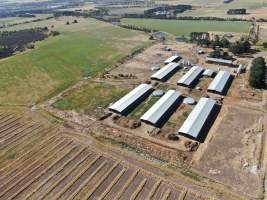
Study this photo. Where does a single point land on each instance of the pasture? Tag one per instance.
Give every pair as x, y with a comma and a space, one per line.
185, 27
92, 98
81, 50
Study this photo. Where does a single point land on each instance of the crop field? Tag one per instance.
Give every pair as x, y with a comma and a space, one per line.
41, 163
185, 27
81, 50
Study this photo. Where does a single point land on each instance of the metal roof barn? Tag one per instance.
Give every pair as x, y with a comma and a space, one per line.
190, 76
208, 72
161, 107
219, 82
197, 118
172, 59
124, 104
165, 71
219, 61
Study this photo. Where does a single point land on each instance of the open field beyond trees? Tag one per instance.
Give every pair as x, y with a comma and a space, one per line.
81, 50
185, 27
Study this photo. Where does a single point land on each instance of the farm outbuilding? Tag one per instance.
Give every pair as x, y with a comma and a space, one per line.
220, 82
161, 108
173, 59
165, 72
131, 99
219, 61
208, 72
198, 118
191, 76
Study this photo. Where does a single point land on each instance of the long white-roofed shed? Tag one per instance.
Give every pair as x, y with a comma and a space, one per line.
165, 71
191, 76
197, 118
130, 99
219, 82
171, 59
161, 107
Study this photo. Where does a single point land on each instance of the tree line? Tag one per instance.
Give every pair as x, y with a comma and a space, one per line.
257, 77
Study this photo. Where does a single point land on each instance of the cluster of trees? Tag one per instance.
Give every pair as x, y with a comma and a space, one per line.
257, 78
240, 47
219, 53
174, 8
12, 41
204, 39
100, 12
139, 28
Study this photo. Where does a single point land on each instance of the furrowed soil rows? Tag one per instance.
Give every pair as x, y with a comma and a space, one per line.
81, 155
28, 163
147, 188
29, 148
9, 124
18, 135
48, 172
120, 183
135, 183
49, 164
15, 130
13, 185
69, 180
38, 173
159, 192
95, 182
79, 182
55, 180
104, 187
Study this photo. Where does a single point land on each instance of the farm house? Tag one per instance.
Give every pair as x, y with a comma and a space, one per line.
165, 72
162, 108
130, 100
191, 76
197, 119
220, 82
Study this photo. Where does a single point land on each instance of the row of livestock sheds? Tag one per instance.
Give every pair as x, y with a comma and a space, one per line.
161, 108
131, 99
167, 70
172, 59
198, 118
220, 82
191, 76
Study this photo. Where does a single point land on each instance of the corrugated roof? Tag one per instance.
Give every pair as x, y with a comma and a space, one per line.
190, 76
165, 71
154, 114
218, 60
197, 118
219, 82
171, 59
208, 72
125, 102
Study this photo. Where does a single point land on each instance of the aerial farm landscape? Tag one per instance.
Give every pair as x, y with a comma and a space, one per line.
133, 100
